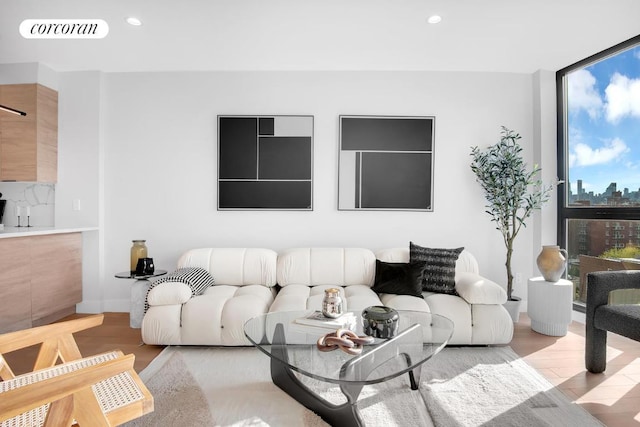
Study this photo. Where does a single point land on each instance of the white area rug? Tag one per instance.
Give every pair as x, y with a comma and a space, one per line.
465, 386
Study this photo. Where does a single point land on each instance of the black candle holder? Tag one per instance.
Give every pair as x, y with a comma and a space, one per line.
19, 222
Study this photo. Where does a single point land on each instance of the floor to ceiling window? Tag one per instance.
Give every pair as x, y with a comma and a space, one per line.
599, 164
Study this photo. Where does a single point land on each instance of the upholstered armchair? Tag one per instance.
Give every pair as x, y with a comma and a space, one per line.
602, 317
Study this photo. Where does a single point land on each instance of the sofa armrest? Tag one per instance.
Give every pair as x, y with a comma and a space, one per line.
169, 293
476, 289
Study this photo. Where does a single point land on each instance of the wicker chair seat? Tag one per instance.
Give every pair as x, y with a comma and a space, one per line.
113, 393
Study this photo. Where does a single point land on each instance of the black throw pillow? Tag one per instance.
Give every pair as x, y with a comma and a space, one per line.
439, 270
398, 278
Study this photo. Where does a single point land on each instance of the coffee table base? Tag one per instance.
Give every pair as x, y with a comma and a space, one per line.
347, 413
336, 415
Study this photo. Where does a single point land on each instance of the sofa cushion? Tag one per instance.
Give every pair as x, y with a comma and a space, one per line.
234, 266
398, 278
404, 302
492, 324
326, 266
438, 274
302, 297
169, 293
217, 317
455, 309
476, 289
198, 279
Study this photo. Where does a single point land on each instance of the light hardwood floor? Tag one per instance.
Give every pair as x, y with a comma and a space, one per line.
612, 397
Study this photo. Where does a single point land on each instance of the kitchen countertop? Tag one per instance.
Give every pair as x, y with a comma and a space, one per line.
40, 231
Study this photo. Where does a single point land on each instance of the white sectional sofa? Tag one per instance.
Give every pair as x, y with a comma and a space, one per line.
252, 281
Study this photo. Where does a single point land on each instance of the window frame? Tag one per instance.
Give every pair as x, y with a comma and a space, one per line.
565, 212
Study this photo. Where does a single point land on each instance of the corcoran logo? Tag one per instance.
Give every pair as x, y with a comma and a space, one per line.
64, 29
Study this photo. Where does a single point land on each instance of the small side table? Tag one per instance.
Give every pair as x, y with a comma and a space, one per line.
138, 294
549, 305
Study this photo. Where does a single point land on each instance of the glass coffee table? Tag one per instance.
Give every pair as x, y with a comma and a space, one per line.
293, 351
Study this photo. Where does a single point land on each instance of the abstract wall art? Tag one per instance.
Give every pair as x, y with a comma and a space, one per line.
386, 163
265, 162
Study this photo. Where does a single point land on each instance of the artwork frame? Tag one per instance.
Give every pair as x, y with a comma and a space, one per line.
402, 146
265, 162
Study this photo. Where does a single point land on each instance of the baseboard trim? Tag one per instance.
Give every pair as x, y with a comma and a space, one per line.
117, 306
98, 306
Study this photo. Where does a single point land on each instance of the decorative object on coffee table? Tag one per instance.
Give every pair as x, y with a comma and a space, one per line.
345, 340
332, 303
138, 294
379, 321
317, 320
512, 191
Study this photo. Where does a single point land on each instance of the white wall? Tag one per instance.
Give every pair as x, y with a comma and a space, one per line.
78, 145
159, 135
139, 152
79, 186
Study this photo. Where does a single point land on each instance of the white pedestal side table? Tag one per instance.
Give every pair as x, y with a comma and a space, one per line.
549, 305
138, 294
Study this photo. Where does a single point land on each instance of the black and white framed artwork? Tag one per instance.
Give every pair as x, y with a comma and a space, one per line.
386, 163
265, 162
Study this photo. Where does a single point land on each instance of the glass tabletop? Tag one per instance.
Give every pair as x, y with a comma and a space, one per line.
133, 275
419, 337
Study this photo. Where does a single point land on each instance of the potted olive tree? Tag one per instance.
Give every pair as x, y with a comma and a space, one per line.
512, 191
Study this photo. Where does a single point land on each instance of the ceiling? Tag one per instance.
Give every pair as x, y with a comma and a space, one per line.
520, 36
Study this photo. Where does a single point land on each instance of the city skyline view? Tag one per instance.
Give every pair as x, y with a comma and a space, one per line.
604, 124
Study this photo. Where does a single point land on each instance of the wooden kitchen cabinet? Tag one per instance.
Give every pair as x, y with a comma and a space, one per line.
56, 276
40, 279
29, 144
15, 285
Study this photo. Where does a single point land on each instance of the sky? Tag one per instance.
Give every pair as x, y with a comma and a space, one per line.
604, 123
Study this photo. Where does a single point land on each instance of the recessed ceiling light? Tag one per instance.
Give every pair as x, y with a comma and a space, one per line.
134, 21
434, 19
